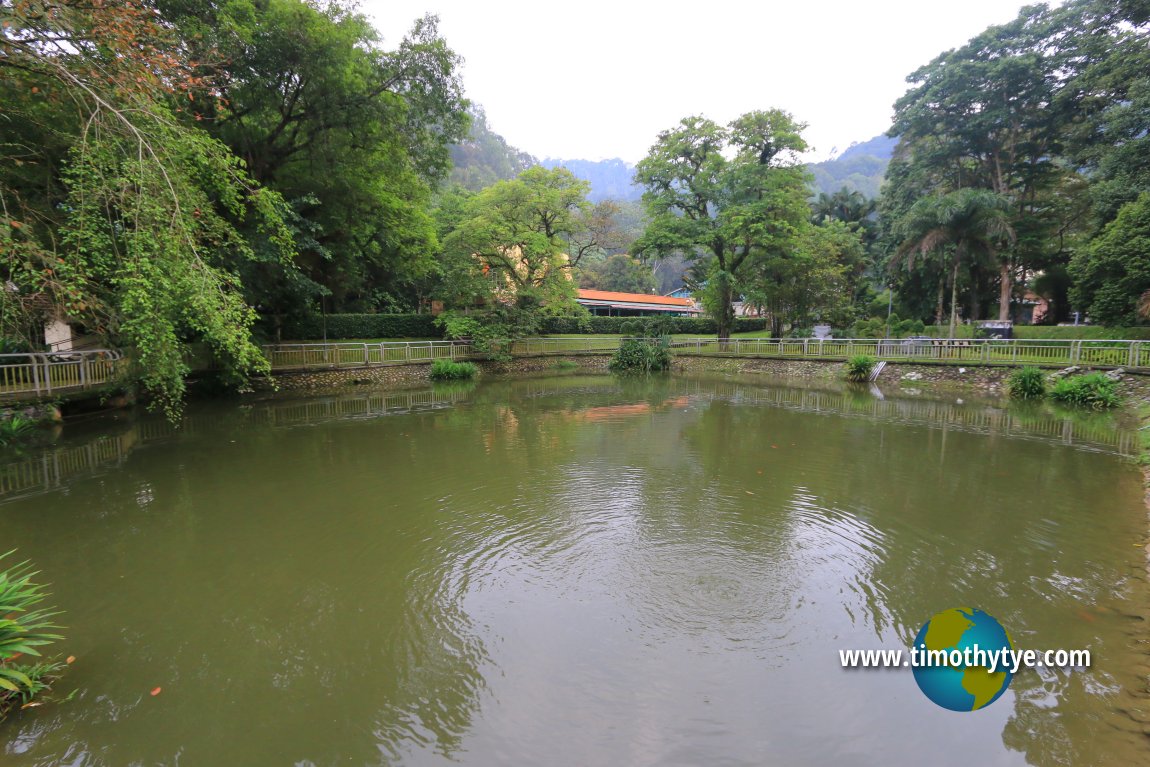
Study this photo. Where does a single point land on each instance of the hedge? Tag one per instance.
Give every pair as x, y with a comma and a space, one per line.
363, 326
1055, 332
423, 326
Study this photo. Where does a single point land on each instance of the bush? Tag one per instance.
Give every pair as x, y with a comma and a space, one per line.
1027, 383
1093, 390
446, 370
24, 628
362, 326
859, 367
641, 355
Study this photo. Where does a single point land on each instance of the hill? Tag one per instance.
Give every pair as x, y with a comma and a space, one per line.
860, 168
610, 179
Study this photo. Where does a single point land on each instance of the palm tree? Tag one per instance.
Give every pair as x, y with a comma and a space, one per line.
973, 223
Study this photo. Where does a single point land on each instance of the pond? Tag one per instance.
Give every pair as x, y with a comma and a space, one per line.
578, 570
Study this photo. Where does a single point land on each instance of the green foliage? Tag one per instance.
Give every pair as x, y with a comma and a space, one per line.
1093, 390
485, 157
732, 198
620, 273
877, 327
566, 365
859, 169
16, 429
25, 627
1112, 274
859, 367
448, 370
1027, 383
641, 355
311, 327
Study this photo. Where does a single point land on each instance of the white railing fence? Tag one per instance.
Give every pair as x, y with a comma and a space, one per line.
44, 374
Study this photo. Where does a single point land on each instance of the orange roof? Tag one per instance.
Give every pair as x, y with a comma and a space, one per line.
634, 298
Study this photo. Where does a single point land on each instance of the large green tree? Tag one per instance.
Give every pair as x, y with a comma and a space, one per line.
725, 196
619, 272
124, 218
1112, 275
353, 132
962, 227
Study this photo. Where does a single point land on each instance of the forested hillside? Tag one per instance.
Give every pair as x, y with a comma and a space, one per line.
859, 169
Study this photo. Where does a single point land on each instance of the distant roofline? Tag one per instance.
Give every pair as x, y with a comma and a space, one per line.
634, 298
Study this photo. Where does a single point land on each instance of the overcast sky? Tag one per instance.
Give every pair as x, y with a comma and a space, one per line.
596, 79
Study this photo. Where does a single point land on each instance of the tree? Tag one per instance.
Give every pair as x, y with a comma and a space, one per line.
354, 134
510, 245
1113, 272
133, 229
963, 225
727, 212
619, 273
812, 282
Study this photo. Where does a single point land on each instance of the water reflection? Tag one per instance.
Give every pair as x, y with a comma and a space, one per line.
581, 571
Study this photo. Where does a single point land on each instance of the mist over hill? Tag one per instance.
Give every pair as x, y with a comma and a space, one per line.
487, 157
860, 168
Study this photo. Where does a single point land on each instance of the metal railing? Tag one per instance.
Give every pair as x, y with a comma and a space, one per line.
1127, 354
43, 374
341, 355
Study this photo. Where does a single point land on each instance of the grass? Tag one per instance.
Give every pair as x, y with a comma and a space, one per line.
446, 370
1027, 383
859, 367
1092, 390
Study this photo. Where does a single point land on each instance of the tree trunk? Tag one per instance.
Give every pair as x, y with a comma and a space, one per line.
1005, 290
941, 295
954, 298
726, 318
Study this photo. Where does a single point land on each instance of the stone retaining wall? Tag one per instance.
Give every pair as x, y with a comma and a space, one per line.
990, 379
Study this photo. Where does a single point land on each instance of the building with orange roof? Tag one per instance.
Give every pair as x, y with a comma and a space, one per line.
608, 303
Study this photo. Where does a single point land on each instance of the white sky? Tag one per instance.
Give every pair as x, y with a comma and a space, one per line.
595, 79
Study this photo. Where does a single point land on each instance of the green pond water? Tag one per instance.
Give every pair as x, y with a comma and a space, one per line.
575, 570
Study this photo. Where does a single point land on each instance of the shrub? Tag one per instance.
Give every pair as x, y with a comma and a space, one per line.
641, 355
1027, 383
631, 327
447, 370
24, 628
1093, 390
859, 367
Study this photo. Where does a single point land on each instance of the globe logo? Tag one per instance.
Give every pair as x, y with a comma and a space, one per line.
961, 631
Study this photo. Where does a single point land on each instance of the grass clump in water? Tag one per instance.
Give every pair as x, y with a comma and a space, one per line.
1093, 390
642, 355
447, 370
859, 367
1027, 383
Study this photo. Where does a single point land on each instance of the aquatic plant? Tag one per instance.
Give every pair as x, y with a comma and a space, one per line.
859, 367
24, 628
1027, 383
15, 429
447, 370
641, 355
1094, 390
